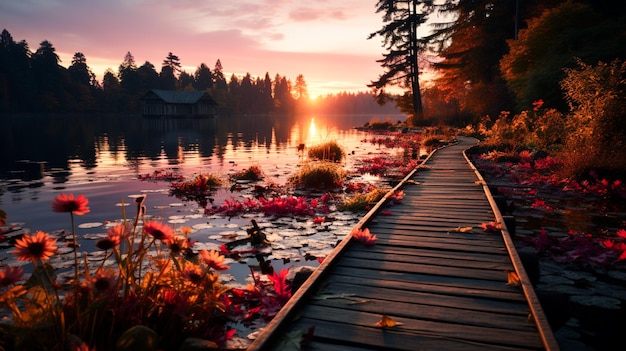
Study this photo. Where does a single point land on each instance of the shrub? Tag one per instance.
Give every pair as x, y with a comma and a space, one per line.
361, 202
596, 124
318, 175
329, 151
252, 173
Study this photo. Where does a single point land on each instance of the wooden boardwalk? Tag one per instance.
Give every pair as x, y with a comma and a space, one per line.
447, 287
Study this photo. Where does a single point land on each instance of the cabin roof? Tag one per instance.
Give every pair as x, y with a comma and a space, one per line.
179, 97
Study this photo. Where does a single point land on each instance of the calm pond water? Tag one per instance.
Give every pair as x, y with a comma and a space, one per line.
103, 157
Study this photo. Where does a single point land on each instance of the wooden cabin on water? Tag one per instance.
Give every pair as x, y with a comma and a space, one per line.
171, 103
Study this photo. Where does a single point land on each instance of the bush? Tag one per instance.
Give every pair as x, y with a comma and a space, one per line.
318, 175
596, 123
329, 151
361, 202
252, 173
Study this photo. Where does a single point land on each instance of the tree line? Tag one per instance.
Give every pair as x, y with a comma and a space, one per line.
490, 56
36, 82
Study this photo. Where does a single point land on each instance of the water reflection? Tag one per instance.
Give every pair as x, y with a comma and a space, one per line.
39, 150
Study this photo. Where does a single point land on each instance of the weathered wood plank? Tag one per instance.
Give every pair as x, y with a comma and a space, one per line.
480, 258
464, 310
448, 271
466, 284
436, 261
488, 336
492, 300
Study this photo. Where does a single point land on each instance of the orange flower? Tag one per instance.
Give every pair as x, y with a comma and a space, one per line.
105, 280
158, 230
192, 273
214, 260
67, 203
35, 247
177, 244
364, 236
10, 275
114, 237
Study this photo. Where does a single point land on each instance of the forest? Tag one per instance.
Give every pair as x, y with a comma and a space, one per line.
35, 82
486, 57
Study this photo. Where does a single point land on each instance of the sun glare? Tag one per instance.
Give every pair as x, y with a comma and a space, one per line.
312, 130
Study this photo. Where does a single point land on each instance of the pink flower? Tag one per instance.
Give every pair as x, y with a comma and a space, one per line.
67, 203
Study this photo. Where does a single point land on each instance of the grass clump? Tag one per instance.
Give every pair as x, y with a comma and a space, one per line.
328, 151
363, 201
252, 173
318, 175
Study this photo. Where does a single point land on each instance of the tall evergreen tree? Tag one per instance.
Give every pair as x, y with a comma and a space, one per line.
218, 75
148, 77
400, 39
203, 78
49, 78
16, 90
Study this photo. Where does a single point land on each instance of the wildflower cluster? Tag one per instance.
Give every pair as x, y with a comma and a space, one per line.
278, 206
149, 286
379, 166
582, 248
197, 189
538, 188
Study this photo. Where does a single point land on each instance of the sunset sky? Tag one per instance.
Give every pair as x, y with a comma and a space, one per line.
325, 40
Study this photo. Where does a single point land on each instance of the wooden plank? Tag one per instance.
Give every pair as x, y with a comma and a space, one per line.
317, 315
481, 258
448, 271
437, 261
353, 294
371, 302
329, 333
494, 300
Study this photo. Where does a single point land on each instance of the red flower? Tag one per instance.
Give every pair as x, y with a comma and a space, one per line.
364, 236
35, 247
67, 203
214, 260
10, 275
621, 233
158, 230
318, 220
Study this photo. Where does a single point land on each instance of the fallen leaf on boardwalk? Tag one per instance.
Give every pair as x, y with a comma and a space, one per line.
291, 341
462, 229
387, 322
513, 279
491, 226
333, 296
364, 236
